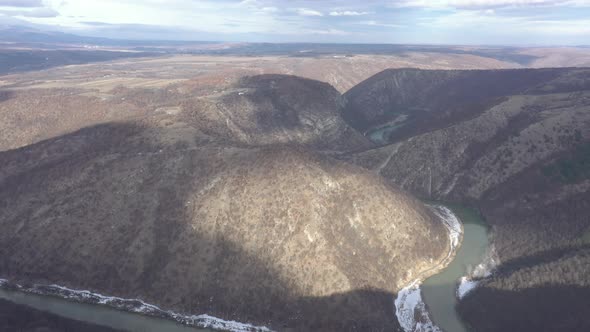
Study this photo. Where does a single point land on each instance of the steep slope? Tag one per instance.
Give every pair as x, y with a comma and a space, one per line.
523, 161
273, 109
155, 209
560, 299
416, 101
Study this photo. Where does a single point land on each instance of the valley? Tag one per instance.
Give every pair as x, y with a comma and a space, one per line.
219, 208
287, 192
528, 145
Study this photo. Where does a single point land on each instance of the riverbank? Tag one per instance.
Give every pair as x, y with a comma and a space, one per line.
411, 310
439, 292
482, 271
197, 322
485, 268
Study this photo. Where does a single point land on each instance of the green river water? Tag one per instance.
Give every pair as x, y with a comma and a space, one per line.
438, 291
95, 314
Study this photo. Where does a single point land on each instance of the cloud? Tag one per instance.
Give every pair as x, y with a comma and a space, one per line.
423, 21
379, 24
96, 24
21, 3
557, 27
308, 12
348, 13
249, 3
269, 9
487, 4
331, 32
42, 12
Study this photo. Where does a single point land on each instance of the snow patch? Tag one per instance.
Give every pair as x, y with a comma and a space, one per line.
411, 311
482, 271
211, 322
406, 302
410, 308
486, 268
466, 285
452, 224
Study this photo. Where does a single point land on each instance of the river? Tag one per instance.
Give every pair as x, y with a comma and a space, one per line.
439, 291
95, 314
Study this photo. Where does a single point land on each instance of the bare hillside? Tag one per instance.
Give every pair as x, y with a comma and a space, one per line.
520, 152
166, 209
273, 109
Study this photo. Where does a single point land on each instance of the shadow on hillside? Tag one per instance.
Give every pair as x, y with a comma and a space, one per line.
94, 221
549, 308
291, 98
446, 97
559, 302
543, 257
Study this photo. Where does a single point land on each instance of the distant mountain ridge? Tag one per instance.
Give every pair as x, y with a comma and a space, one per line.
24, 34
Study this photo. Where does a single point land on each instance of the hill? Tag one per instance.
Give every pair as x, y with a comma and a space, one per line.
556, 280
513, 143
417, 100
276, 109
173, 210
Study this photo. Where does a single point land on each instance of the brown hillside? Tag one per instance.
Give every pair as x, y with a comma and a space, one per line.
275, 235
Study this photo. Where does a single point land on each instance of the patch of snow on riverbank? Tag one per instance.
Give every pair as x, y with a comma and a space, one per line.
137, 306
211, 322
411, 311
490, 261
466, 285
406, 302
451, 222
483, 270
409, 307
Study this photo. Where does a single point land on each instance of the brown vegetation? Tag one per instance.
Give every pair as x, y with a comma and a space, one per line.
158, 209
523, 160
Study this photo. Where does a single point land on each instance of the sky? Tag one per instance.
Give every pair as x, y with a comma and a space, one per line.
456, 22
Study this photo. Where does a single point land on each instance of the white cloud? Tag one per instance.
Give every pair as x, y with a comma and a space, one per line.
557, 27
36, 13
249, 3
444, 21
380, 24
269, 9
308, 12
483, 4
333, 32
42, 12
348, 13
468, 18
